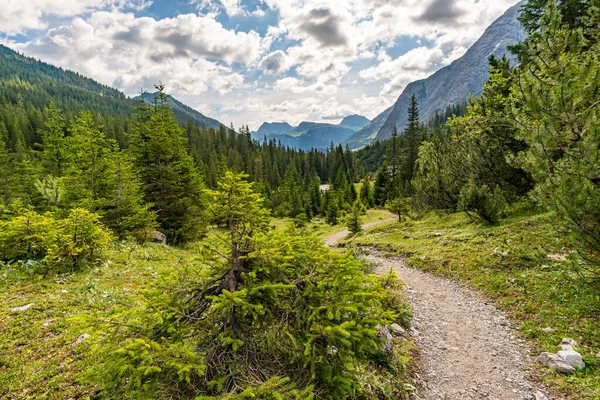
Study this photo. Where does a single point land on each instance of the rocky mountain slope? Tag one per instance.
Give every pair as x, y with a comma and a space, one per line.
450, 85
364, 136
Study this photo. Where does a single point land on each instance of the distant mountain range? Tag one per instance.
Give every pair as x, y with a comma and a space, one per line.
311, 135
450, 85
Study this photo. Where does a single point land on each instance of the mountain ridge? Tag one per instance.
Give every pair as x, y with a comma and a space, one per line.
465, 76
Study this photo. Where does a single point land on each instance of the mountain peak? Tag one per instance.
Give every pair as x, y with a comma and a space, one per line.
450, 85
355, 121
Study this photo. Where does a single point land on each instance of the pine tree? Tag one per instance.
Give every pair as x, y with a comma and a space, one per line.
169, 178
366, 192
354, 219
54, 151
412, 136
100, 178
380, 190
393, 161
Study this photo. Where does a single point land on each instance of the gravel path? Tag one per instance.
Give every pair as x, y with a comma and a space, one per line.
332, 240
468, 349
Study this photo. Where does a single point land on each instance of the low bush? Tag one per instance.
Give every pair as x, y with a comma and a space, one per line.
74, 241
482, 201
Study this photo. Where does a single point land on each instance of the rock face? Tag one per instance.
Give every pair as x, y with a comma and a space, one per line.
309, 135
355, 122
270, 129
453, 84
366, 135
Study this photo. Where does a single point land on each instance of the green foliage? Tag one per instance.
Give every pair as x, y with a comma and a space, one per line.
27, 236
354, 218
399, 206
267, 314
78, 240
81, 240
169, 179
481, 200
559, 117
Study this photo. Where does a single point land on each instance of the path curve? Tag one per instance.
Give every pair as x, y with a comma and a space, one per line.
468, 349
333, 240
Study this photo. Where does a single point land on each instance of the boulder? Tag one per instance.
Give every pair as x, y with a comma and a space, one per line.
385, 335
158, 237
539, 395
572, 358
397, 329
548, 330
555, 362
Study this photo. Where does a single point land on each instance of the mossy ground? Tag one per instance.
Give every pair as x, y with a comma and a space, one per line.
520, 265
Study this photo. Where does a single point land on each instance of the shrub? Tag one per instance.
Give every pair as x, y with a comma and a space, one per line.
354, 220
399, 206
482, 201
27, 236
74, 241
261, 314
82, 239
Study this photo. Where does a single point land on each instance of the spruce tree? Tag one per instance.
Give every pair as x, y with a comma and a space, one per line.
412, 136
54, 152
169, 178
366, 192
393, 161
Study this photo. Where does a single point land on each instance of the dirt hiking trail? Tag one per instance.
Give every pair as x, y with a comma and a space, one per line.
467, 348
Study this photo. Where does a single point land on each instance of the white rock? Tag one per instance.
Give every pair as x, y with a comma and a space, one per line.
539, 395
548, 330
22, 308
598, 355
572, 358
555, 362
80, 339
397, 329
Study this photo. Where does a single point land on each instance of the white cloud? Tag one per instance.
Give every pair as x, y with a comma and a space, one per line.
17, 16
328, 57
190, 53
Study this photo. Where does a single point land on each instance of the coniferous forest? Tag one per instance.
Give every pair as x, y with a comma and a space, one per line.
148, 256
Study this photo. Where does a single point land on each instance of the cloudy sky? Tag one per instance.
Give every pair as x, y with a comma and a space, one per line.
249, 61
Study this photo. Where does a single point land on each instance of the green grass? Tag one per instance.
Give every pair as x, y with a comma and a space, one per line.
323, 229
509, 263
37, 359
37, 356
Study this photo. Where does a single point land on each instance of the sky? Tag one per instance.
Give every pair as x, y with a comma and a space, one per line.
249, 61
